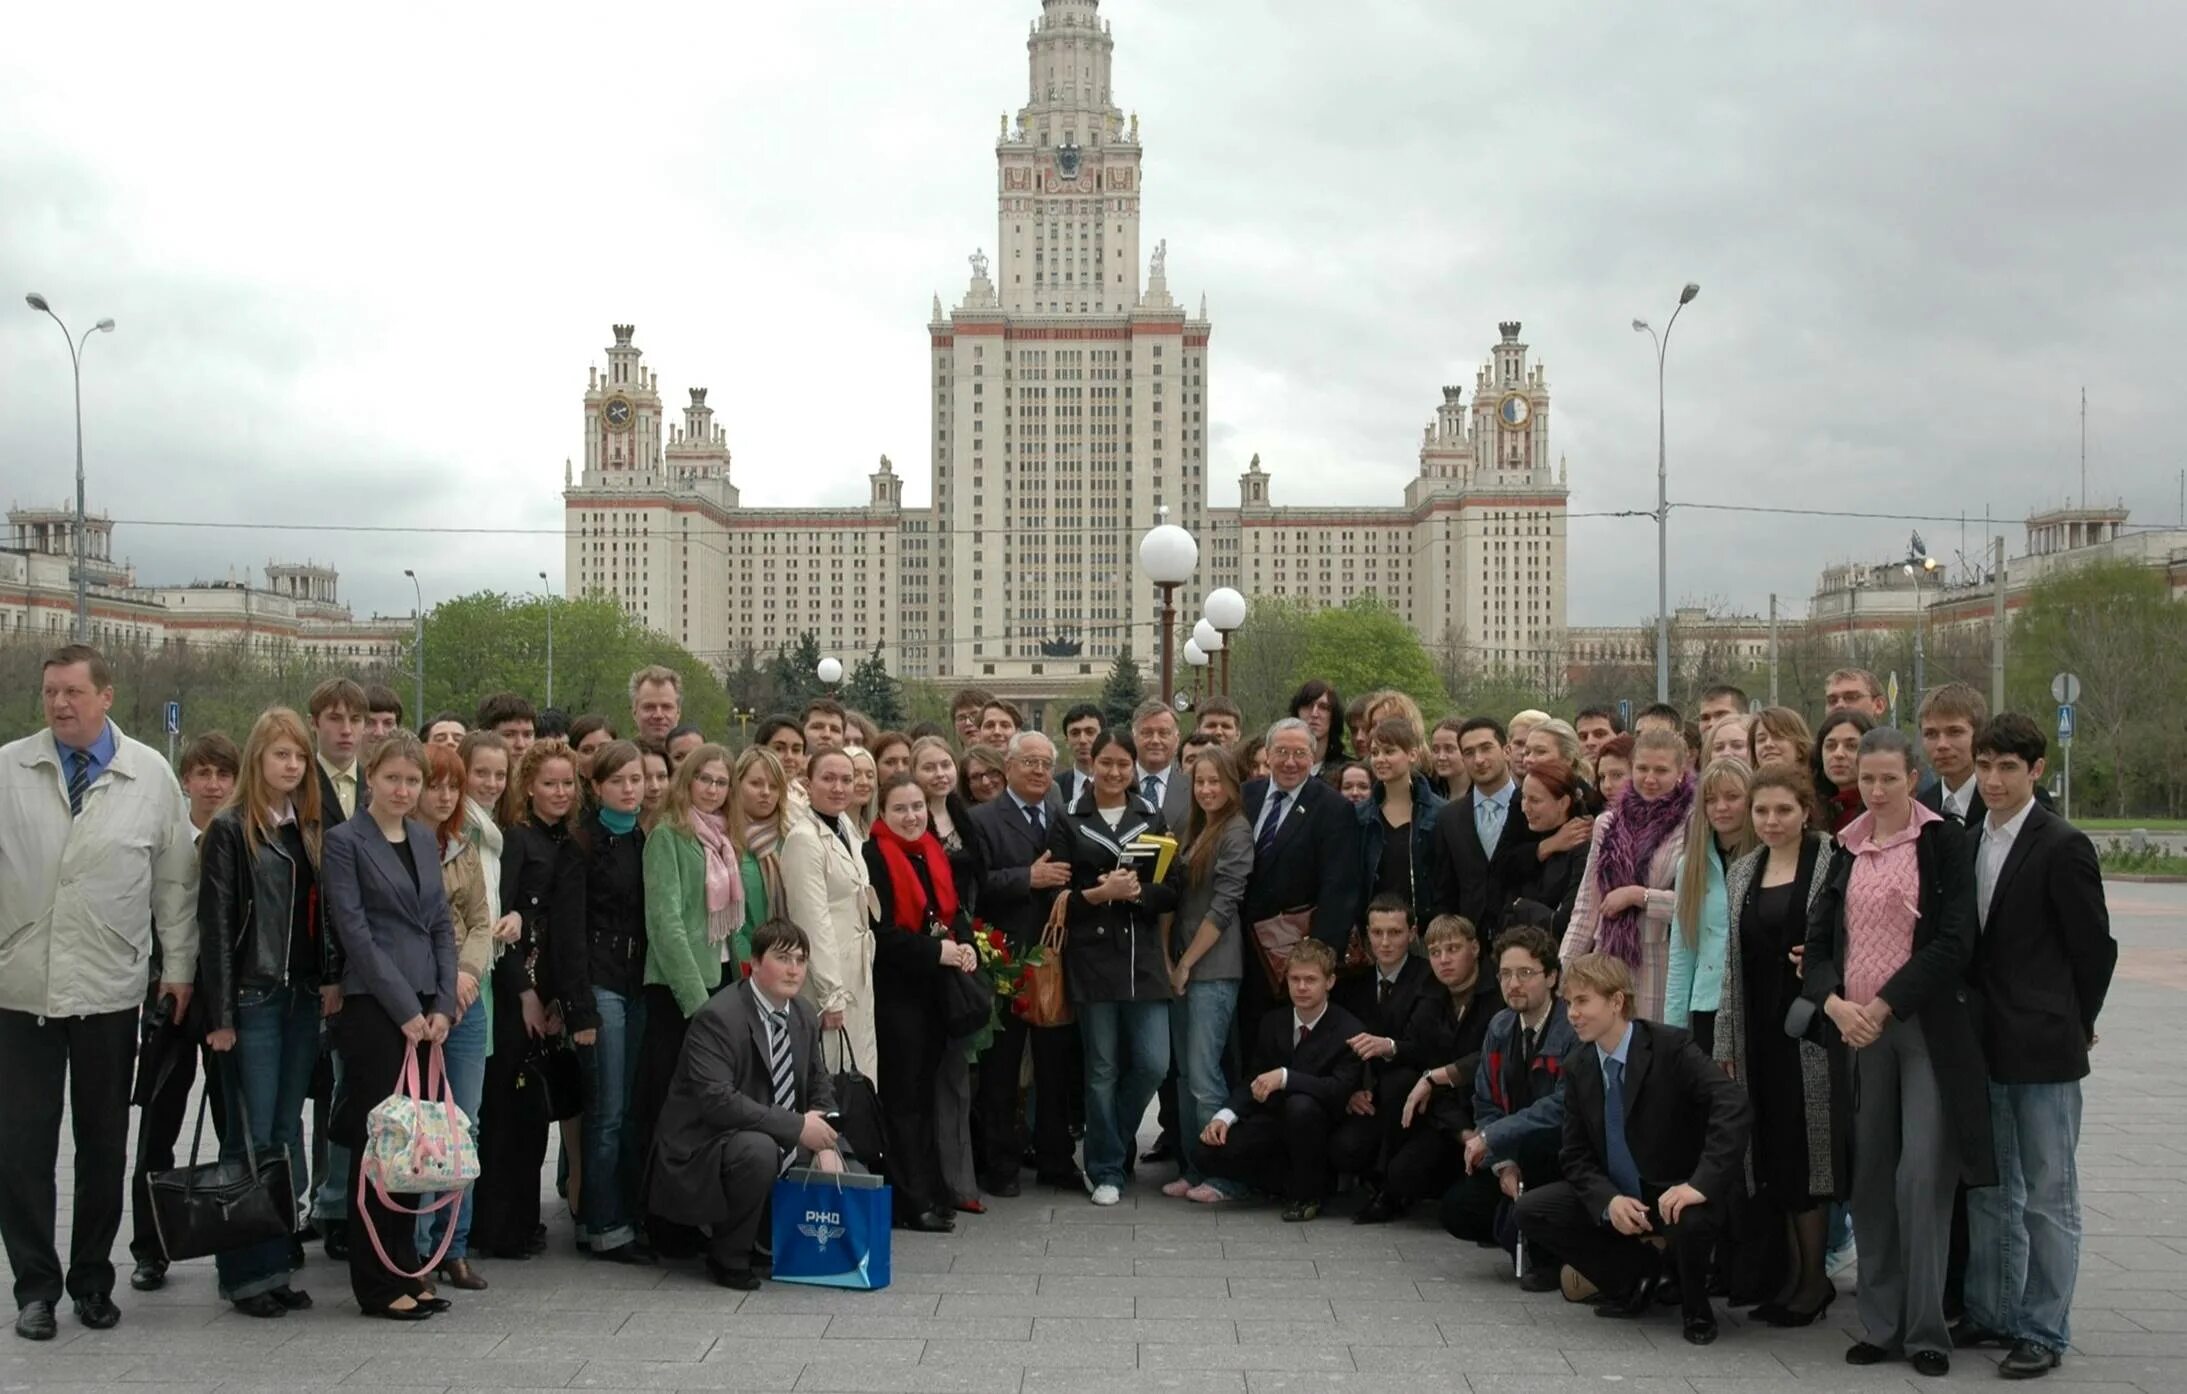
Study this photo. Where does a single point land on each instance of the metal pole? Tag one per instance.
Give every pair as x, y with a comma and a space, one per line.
1169, 622
1226, 665
1662, 533
83, 578
1997, 632
417, 649
1773, 648
548, 586
1921, 625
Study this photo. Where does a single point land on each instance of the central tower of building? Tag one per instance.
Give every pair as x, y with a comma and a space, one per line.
1069, 395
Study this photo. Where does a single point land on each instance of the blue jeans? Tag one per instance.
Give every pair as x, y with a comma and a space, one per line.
268, 1076
2024, 1233
611, 1074
1199, 1028
332, 1200
465, 1054
1116, 1100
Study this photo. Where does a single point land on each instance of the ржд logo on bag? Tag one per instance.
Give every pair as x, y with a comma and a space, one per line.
822, 1225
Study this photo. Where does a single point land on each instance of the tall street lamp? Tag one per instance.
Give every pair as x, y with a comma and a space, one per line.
76, 363
1167, 554
1196, 660
1663, 502
1225, 609
417, 643
829, 670
548, 587
1919, 564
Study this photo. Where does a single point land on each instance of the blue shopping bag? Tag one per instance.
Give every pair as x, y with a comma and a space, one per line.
831, 1230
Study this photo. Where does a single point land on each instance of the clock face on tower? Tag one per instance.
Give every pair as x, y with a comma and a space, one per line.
619, 413
1067, 158
1514, 410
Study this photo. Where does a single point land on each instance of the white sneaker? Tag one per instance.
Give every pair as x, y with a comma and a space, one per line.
1843, 1265
1107, 1195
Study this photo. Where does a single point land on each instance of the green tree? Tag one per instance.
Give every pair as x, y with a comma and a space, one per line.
795, 672
1268, 658
1365, 645
489, 642
1124, 690
872, 691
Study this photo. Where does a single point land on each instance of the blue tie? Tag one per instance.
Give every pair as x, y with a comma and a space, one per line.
1267, 839
1150, 789
1032, 820
1488, 824
79, 780
1623, 1173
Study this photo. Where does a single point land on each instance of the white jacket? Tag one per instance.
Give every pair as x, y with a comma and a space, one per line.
79, 897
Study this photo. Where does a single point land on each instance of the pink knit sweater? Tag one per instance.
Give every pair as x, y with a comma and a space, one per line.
1882, 903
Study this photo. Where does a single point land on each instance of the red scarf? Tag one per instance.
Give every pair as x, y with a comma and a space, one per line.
908, 894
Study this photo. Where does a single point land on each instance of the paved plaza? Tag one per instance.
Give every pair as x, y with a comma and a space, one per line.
1048, 1295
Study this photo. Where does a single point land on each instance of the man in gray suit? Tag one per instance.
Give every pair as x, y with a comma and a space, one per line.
1161, 779
749, 1096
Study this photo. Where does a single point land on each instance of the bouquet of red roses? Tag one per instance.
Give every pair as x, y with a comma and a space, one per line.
1003, 970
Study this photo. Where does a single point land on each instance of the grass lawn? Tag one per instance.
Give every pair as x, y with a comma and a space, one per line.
2146, 865
2126, 825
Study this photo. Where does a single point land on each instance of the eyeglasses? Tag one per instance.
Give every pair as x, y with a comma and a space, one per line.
1517, 975
985, 776
1032, 762
711, 781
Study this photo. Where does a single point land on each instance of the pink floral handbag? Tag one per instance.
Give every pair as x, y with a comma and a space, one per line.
417, 1142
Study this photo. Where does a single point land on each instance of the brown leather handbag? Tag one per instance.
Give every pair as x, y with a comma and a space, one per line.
1047, 1001
1273, 940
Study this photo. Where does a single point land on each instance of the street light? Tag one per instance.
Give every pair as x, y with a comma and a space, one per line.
1168, 555
548, 587
830, 670
1225, 609
1196, 659
1662, 502
1919, 564
76, 365
417, 650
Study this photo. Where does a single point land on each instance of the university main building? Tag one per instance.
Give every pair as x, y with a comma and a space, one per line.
1069, 416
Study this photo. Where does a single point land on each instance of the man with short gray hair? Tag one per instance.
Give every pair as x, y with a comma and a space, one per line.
1305, 850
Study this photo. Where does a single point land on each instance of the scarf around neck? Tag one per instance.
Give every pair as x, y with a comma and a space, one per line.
1637, 828
724, 885
909, 907
616, 821
480, 829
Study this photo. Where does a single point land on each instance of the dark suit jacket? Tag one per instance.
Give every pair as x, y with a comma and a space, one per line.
1931, 796
723, 1086
1469, 881
1008, 847
2044, 960
1357, 994
397, 935
1314, 861
1324, 1068
1685, 1121
330, 813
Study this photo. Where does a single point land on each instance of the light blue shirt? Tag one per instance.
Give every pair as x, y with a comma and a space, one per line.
1490, 813
101, 752
1618, 1054
1023, 806
1695, 979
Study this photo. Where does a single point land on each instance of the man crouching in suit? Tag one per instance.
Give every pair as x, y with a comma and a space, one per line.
749, 1094
1654, 1137
1275, 1132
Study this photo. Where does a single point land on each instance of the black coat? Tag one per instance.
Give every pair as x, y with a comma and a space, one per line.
1323, 1068
1314, 862
1427, 807
1114, 950
2044, 960
1359, 994
1685, 1121
1553, 881
1006, 848
1932, 990
907, 956
1469, 881
596, 924
1931, 797
247, 915
531, 858
1435, 1034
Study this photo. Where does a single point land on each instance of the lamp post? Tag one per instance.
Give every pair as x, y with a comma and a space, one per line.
1919, 564
417, 647
744, 717
548, 587
1663, 502
1167, 554
829, 670
1225, 610
1196, 660
76, 365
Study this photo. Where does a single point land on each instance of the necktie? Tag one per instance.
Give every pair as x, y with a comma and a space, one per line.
1623, 1173
1382, 990
1304, 1032
779, 1062
1267, 839
1150, 789
1032, 820
1488, 822
79, 780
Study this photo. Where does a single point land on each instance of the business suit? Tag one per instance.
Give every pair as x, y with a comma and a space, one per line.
2042, 969
1176, 804
1931, 797
1470, 880
1313, 862
1439, 1031
390, 913
826, 893
1685, 1123
1008, 845
1283, 1144
1358, 1144
330, 1159
721, 1140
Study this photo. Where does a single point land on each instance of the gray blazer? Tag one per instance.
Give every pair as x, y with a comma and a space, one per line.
1734, 1022
398, 938
1176, 809
1217, 898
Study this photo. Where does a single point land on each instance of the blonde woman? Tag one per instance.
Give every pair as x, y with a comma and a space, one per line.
759, 821
1555, 742
1627, 892
865, 783
827, 893
1718, 833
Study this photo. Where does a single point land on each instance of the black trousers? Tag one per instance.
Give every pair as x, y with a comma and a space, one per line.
1284, 1148
373, 1047
749, 1164
1561, 1222
1364, 1144
1476, 1208
658, 1051
166, 1072
1000, 1144
512, 1139
907, 1029
87, 1059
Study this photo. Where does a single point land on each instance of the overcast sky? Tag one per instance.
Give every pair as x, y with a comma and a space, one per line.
361, 262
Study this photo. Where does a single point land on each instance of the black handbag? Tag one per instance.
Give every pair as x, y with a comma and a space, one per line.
551, 1067
859, 1106
218, 1207
967, 1002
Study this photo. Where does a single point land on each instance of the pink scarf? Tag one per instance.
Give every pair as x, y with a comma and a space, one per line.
724, 886
1637, 828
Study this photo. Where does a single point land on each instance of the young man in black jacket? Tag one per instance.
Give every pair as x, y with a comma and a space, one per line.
2042, 967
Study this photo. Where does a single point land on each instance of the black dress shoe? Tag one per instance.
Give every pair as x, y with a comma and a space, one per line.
395, 1313
430, 1305
1072, 1180
1966, 1336
35, 1322
927, 1222
2027, 1360
740, 1279
337, 1242
1631, 1304
98, 1311
149, 1276
1004, 1189
1300, 1211
295, 1299
1933, 1363
309, 1232
296, 1254
1700, 1331
1540, 1277
1379, 1210
1862, 1353
263, 1304
632, 1252
1164, 1150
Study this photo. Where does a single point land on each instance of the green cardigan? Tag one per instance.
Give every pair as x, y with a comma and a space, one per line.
678, 955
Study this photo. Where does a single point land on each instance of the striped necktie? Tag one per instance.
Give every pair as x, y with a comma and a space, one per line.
1273, 825
79, 780
778, 1062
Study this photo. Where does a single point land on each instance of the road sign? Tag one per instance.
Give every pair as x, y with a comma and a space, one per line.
2065, 724
174, 718
2065, 689
1891, 691
1625, 712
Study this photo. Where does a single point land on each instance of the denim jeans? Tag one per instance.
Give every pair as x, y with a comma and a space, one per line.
611, 1073
1199, 1028
268, 1074
332, 1200
1116, 1099
465, 1054
2024, 1233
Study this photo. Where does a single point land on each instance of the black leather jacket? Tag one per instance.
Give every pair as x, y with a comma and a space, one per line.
246, 913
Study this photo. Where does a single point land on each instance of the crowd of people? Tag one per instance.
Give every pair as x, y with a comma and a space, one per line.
1654, 1011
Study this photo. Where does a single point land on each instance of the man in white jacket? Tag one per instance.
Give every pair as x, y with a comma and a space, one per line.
95, 858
